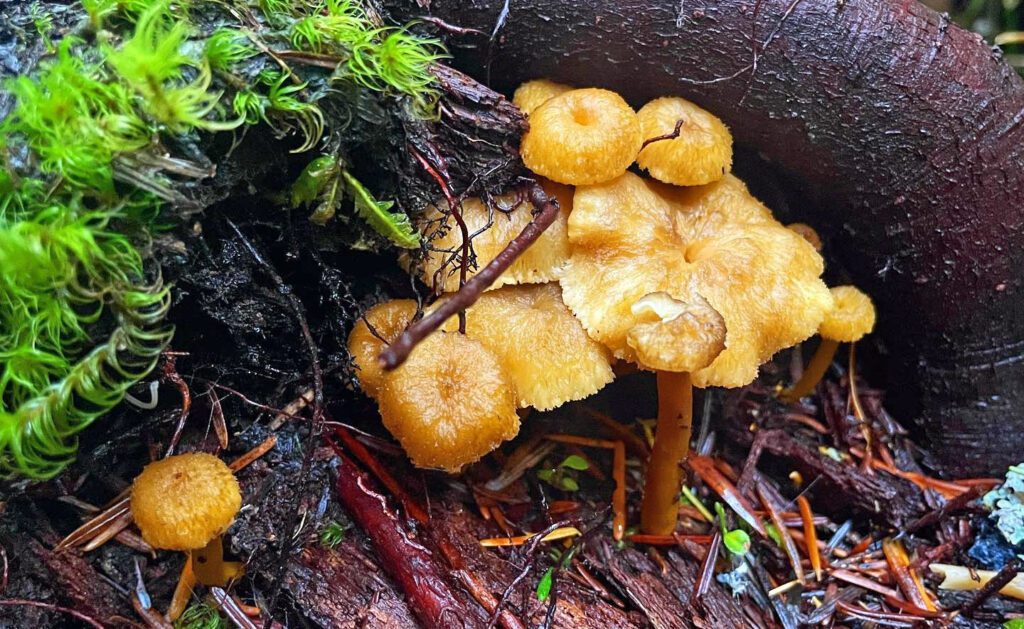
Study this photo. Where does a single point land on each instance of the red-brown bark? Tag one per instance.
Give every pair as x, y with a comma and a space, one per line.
907, 132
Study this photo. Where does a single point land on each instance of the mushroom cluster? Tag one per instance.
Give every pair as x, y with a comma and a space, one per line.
685, 274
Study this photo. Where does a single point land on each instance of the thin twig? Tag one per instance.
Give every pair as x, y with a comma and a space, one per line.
15, 602
668, 136
1006, 574
395, 354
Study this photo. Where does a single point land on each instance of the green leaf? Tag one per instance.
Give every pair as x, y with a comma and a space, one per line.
395, 226
544, 587
774, 534
570, 484
738, 542
1016, 623
545, 475
575, 462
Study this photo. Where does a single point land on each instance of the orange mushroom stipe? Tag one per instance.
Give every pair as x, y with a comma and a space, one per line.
852, 317
185, 502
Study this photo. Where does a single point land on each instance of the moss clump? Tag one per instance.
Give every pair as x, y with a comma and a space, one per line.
83, 164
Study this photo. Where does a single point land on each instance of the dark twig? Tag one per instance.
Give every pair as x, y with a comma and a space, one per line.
398, 351
530, 552
950, 506
668, 136
171, 375
996, 583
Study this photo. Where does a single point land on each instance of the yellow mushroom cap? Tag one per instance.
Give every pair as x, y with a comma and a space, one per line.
541, 262
450, 403
582, 137
543, 348
184, 501
809, 234
702, 153
632, 238
672, 335
532, 94
851, 318
388, 319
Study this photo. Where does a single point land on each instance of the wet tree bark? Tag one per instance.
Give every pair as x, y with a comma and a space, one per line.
907, 132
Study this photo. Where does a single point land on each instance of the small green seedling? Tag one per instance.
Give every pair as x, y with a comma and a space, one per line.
563, 476
736, 541
334, 533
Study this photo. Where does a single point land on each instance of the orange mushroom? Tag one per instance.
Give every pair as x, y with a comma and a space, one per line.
585, 136
695, 149
656, 269
852, 317
532, 94
450, 403
185, 502
372, 332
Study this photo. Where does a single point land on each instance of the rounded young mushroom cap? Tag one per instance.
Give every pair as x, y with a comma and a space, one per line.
582, 137
547, 354
450, 403
182, 502
851, 318
700, 154
542, 262
388, 320
703, 249
532, 94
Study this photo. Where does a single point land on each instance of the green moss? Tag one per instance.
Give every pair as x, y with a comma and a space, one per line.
81, 320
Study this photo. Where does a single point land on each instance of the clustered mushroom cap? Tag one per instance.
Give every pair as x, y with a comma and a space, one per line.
182, 502
672, 335
450, 403
541, 262
632, 238
543, 348
581, 137
809, 234
702, 153
851, 318
388, 320
532, 94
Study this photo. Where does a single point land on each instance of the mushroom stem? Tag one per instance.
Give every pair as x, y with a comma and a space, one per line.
182, 592
209, 565
660, 508
813, 372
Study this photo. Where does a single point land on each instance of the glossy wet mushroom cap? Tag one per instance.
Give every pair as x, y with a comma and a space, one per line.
852, 317
185, 501
532, 94
450, 403
631, 238
700, 154
380, 325
547, 354
585, 136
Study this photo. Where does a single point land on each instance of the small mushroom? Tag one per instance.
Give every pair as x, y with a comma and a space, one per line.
656, 269
699, 152
542, 347
450, 403
809, 234
185, 502
494, 228
852, 317
372, 332
581, 137
532, 94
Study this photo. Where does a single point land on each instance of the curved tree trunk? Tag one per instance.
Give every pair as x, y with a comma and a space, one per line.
908, 129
